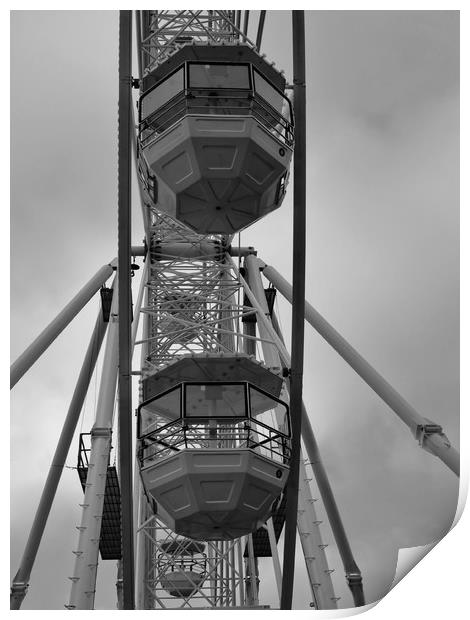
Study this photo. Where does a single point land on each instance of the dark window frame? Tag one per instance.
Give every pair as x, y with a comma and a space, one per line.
222, 63
208, 417
277, 400
181, 387
155, 86
283, 95
176, 387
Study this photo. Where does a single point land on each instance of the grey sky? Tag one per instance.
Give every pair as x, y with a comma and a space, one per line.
382, 265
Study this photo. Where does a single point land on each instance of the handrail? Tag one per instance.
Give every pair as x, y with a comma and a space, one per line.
166, 116
179, 433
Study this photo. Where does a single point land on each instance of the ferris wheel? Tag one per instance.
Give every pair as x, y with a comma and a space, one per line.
218, 471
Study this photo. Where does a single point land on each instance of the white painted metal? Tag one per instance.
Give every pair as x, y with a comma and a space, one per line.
82, 593
429, 435
313, 547
307, 523
223, 577
167, 27
138, 305
252, 581
275, 557
141, 541
30, 355
21, 579
271, 356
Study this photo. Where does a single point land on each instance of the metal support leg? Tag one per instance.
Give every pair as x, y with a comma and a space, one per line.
241, 582
429, 435
249, 344
313, 548
84, 577
275, 556
20, 582
353, 574
212, 578
351, 569
50, 333
252, 579
307, 525
138, 305
140, 546
271, 356
119, 586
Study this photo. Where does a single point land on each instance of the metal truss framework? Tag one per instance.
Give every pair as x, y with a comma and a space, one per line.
164, 32
193, 301
228, 579
196, 304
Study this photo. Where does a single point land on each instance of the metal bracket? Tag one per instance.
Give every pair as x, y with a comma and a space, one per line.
19, 587
101, 431
424, 430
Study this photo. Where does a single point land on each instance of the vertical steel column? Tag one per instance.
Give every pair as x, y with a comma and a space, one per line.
259, 35
143, 543
138, 493
241, 582
253, 579
226, 339
275, 556
245, 24
119, 586
233, 587
138, 305
55, 327
124, 275
249, 344
213, 572
20, 581
138, 34
140, 547
298, 305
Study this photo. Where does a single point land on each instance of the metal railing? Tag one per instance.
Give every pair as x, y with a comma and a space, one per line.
83, 451
221, 103
212, 434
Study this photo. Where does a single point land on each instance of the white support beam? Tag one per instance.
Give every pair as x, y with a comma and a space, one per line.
82, 593
30, 355
429, 435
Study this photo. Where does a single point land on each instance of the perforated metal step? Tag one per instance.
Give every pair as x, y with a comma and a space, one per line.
110, 537
261, 546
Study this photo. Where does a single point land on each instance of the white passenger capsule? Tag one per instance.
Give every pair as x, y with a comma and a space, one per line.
215, 137
214, 445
